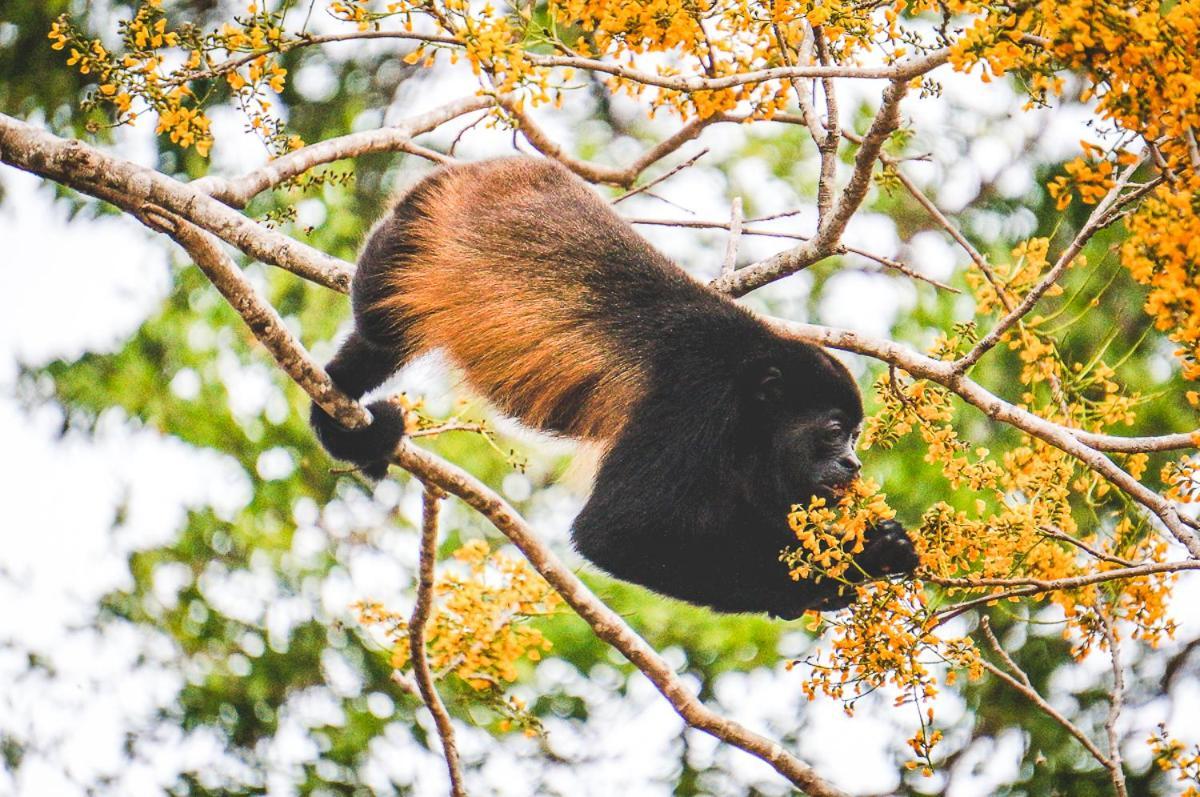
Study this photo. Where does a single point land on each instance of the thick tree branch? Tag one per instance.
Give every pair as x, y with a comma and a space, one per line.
85, 168
262, 319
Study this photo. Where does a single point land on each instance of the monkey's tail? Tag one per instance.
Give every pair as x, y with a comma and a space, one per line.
358, 367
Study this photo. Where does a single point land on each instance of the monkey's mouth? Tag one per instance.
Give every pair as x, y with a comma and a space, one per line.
837, 489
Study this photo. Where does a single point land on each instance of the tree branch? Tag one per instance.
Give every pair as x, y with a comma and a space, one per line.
903, 71
1026, 688
1115, 767
416, 639
830, 230
238, 191
129, 186
262, 319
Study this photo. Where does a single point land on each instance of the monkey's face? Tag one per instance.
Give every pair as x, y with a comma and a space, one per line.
801, 448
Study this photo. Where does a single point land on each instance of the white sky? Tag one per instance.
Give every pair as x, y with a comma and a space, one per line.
69, 286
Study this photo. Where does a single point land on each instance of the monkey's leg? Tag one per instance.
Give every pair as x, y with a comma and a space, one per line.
358, 367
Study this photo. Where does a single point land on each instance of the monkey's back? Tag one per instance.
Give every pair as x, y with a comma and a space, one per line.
554, 308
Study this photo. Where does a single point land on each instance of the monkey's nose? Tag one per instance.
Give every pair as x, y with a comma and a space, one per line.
851, 463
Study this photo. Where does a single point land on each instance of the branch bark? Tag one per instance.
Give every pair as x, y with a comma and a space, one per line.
86, 169
416, 639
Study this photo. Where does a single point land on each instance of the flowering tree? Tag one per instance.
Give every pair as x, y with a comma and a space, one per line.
1055, 478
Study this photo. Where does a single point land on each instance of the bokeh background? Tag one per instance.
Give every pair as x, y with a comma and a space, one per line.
178, 559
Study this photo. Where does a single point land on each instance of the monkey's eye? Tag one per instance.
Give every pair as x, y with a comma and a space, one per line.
833, 434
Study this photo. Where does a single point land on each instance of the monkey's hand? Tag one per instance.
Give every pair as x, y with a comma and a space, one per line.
370, 448
887, 551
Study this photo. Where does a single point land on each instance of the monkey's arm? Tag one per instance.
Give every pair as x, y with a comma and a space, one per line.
358, 367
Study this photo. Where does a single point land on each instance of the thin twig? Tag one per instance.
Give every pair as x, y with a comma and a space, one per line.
1023, 686
985, 625
662, 177
735, 234
840, 249
416, 639
1116, 703
1059, 534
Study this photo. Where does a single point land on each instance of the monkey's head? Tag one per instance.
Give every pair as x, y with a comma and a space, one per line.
801, 415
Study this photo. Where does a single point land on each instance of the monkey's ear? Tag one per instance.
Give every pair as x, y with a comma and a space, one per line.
767, 384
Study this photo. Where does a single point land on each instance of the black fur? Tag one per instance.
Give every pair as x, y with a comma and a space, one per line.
358, 367
733, 425
692, 499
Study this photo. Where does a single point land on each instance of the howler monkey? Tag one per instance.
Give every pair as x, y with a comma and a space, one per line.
711, 424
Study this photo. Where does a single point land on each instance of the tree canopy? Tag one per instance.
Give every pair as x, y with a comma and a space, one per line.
990, 210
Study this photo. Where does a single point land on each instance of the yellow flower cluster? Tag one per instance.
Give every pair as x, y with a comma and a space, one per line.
1141, 61
1163, 253
140, 73
831, 536
1172, 755
478, 628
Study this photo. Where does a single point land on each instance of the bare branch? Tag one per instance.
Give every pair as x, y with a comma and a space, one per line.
735, 234
416, 638
130, 186
674, 170
238, 191
828, 142
1134, 445
596, 173
830, 230
942, 221
1115, 768
1025, 688
840, 249
1061, 535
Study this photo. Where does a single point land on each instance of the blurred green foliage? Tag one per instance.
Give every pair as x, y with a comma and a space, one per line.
240, 675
